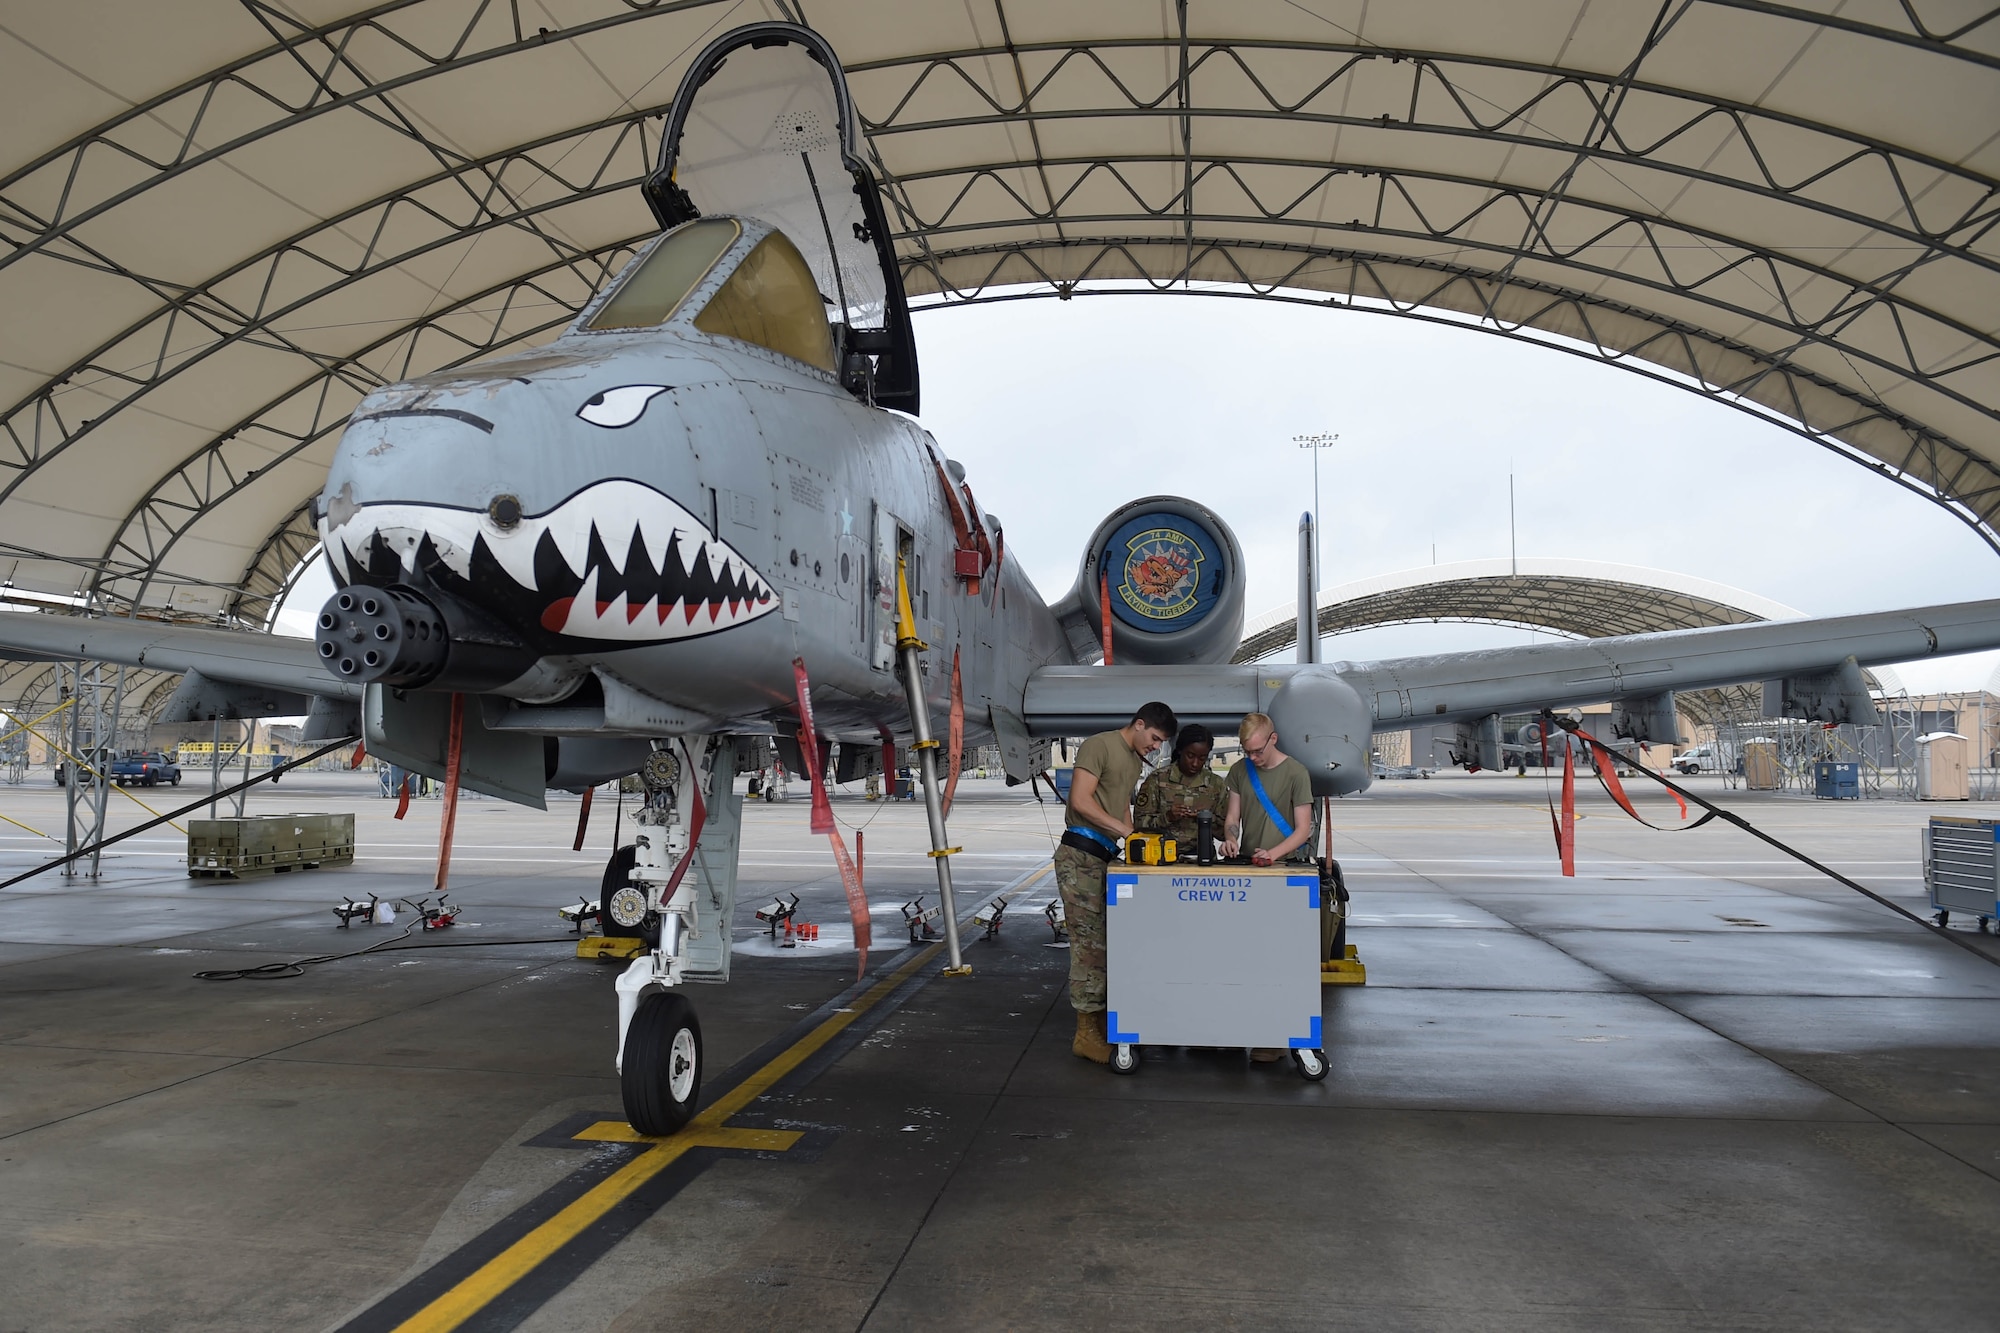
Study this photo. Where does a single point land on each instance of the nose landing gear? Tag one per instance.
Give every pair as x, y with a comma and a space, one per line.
661, 1072
680, 904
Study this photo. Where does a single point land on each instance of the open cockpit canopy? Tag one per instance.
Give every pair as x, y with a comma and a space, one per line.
763, 127
768, 296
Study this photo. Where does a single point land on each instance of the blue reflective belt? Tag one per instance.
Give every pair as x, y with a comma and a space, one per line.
1096, 837
1257, 785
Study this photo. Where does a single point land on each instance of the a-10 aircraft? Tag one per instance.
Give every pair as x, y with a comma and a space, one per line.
624, 550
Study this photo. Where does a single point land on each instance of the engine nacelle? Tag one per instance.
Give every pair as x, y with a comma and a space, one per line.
1175, 575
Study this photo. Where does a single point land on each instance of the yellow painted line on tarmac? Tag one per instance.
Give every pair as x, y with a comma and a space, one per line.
706, 1130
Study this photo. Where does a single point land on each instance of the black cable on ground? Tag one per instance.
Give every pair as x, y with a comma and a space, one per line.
297, 966
1576, 730
267, 775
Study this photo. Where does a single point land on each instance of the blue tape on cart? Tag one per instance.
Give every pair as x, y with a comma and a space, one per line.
1312, 1042
1310, 883
1117, 1038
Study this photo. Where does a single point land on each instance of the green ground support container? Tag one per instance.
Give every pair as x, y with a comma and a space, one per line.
267, 844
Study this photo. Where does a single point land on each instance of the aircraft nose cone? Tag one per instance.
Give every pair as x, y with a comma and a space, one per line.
1323, 723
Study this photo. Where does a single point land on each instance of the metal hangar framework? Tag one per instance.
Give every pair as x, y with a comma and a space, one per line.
224, 221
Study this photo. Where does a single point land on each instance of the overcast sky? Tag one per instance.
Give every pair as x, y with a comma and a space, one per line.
1062, 410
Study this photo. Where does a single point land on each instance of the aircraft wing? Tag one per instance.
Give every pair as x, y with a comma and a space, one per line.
1451, 687
267, 665
1458, 686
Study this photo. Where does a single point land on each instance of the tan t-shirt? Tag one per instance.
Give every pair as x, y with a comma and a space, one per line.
1289, 786
1117, 768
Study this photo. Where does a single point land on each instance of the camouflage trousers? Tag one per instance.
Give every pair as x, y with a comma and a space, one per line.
1080, 880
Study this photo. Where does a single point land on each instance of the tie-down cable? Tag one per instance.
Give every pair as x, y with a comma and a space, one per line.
1606, 758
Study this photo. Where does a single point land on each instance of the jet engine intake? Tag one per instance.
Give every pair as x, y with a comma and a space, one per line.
1175, 576
411, 638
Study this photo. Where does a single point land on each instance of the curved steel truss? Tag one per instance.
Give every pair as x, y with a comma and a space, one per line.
1580, 605
307, 414
1899, 449
250, 301
1577, 605
1806, 232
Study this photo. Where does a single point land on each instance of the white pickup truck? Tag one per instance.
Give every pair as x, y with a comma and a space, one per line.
1697, 759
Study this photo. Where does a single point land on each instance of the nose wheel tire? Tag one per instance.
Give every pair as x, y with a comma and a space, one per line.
1312, 1064
661, 1077
1124, 1059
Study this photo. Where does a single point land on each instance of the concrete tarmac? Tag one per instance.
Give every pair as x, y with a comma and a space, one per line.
1696, 1086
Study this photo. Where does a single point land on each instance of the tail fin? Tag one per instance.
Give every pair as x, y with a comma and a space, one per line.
1308, 593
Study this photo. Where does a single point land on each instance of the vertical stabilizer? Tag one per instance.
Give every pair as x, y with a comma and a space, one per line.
1308, 593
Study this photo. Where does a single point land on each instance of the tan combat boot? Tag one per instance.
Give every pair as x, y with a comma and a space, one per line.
1089, 1042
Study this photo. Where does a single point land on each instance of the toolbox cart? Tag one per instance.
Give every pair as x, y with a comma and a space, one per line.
1213, 955
1962, 868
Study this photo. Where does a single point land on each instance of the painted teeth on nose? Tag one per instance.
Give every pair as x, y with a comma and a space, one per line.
658, 533
629, 530
514, 551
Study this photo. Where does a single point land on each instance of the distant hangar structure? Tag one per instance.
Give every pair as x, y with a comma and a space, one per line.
1585, 599
224, 221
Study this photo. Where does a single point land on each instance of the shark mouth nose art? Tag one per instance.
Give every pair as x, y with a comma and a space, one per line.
618, 562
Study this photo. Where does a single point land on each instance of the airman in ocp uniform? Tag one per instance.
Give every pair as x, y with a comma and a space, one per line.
1107, 768
1173, 799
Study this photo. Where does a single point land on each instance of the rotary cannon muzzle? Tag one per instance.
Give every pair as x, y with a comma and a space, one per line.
413, 639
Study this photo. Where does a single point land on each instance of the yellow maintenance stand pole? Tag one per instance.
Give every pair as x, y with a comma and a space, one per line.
909, 645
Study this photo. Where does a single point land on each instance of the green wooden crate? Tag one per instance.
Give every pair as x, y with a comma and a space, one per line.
267, 844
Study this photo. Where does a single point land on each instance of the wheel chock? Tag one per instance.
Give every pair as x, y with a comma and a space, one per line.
616, 947
1348, 971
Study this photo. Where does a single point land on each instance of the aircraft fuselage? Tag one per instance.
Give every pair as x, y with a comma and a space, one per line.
747, 513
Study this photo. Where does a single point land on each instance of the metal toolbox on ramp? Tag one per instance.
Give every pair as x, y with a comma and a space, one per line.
263, 844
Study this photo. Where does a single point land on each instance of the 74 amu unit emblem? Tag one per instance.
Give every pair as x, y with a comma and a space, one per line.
1162, 573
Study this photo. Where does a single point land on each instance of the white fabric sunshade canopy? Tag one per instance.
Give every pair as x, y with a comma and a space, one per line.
223, 221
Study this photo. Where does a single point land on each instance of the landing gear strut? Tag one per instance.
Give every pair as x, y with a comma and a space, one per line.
654, 891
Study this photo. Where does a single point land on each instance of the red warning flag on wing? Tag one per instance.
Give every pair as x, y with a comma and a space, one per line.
822, 818
822, 807
956, 742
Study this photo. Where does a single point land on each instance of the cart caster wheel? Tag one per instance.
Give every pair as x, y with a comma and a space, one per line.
1312, 1064
661, 1077
1942, 918
1124, 1059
